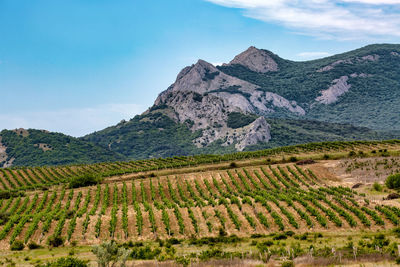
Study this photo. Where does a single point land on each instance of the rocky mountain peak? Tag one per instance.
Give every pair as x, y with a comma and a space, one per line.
202, 78
255, 59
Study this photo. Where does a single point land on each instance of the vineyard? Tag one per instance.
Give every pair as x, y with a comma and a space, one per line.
32, 178
241, 201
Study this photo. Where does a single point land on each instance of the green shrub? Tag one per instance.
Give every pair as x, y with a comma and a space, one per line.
84, 180
4, 217
33, 245
182, 261
17, 245
233, 165
377, 187
66, 262
145, 253
55, 241
287, 264
393, 181
352, 153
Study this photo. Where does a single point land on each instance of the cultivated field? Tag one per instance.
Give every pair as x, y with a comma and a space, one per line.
242, 200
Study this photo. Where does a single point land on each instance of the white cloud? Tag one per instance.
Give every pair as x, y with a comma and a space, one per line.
73, 121
343, 19
313, 55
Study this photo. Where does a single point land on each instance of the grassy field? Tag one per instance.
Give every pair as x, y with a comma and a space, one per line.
245, 211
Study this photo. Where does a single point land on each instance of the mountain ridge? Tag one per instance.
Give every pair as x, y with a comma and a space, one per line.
260, 100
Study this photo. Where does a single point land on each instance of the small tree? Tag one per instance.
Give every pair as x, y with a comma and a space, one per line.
109, 254
393, 181
377, 187
84, 180
17, 245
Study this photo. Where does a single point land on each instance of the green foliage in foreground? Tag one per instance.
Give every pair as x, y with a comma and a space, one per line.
393, 181
66, 262
110, 253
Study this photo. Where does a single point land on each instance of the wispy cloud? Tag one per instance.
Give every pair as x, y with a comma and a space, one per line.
74, 121
344, 19
313, 55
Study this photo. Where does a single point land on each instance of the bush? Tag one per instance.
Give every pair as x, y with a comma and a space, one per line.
33, 245
145, 253
352, 153
393, 181
84, 180
280, 236
55, 241
8, 194
287, 264
233, 165
66, 262
4, 216
377, 187
17, 245
109, 253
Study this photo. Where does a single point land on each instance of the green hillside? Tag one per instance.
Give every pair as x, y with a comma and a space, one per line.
156, 135
36, 148
371, 102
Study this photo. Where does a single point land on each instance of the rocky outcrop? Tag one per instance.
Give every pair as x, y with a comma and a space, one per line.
204, 96
349, 61
256, 60
43, 146
201, 78
395, 54
4, 160
332, 65
21, 132
361, 75
256, 132
338, 88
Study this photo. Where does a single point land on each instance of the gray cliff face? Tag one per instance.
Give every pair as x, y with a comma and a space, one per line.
256, 60
201, 78
338, 88
4, 161
256, 132
205, 96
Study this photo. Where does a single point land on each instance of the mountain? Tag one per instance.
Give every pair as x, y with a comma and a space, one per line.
360, 87
21, 147
260, 100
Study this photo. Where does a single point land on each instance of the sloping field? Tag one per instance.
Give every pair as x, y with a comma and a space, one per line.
242, 201
28, 178
240, 197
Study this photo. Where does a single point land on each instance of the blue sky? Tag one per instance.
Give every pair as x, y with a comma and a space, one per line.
76, 66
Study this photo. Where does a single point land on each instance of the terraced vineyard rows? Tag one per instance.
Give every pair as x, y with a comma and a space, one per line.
242, 201
14, 179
